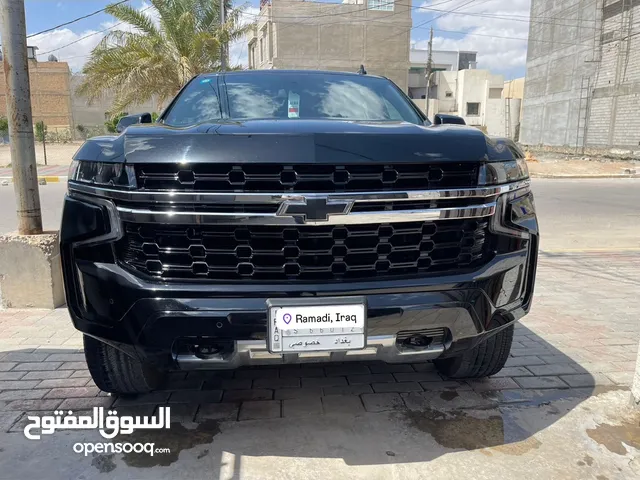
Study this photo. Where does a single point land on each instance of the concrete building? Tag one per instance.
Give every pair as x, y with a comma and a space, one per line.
50, 93
513, 94
514, 88
293, 34
583, 74
96, 113
443, 60
54, 99
475, 95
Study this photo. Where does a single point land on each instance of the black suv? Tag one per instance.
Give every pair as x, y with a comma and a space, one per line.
293, 216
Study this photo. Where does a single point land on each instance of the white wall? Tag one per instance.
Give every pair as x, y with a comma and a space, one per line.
473, 86
447, 83
441, 58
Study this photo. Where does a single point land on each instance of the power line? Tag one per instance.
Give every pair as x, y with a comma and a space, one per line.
240, 54
512, 38
432, 19
419, 26
539, 20
339, 5
76, 20
446, 12
374, 19
390, 2
471, 33
91, 34
522, 39
513, 17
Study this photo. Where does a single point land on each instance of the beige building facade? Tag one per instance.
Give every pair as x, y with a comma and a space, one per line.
475, 95
442, 60
50, 94
293, 34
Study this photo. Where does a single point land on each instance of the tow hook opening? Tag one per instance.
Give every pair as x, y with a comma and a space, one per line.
205, 349
420, 339
416, 342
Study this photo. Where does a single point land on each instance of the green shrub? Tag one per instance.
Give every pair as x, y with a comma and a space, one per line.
82, 131
60, 136
95, 131
4, 127
113, 122
41, 131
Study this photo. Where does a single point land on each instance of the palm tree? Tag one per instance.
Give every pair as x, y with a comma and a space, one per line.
156, 59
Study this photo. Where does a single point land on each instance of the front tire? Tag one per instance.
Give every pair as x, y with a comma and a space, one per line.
116, 372
484, 360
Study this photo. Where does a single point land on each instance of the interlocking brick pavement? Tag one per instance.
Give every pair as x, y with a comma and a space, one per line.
582, 332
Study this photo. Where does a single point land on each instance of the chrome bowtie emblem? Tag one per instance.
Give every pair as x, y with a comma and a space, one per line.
314, 209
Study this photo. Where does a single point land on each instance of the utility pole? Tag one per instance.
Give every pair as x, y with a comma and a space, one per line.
429, 71
223, 45
23, 153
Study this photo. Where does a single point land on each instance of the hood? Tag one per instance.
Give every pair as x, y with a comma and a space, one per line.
296, 141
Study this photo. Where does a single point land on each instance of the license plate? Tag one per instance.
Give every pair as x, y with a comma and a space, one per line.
300, 326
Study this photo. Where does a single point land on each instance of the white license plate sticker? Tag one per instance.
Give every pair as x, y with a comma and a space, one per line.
316, 328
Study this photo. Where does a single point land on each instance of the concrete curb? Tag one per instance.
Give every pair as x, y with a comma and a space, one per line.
47, 178
31, 271
597, 175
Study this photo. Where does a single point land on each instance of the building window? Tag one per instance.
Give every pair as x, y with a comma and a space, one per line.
448, 94
495, 93
261, 51
31, 53
473, 108
386, 5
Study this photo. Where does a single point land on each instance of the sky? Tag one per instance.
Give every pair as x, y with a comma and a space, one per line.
475, 26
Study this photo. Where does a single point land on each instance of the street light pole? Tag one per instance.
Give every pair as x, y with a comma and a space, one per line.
223, 45
23, 153
428, 74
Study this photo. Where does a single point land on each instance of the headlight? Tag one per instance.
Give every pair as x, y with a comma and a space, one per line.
98, 173
503, 172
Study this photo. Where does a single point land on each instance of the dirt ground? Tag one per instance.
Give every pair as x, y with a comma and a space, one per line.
563, 166
57, 154
545, 164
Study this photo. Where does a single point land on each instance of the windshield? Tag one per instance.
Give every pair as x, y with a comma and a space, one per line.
292, 96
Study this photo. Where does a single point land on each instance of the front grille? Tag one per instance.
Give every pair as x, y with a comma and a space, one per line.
309, 253
274, 178
272, 208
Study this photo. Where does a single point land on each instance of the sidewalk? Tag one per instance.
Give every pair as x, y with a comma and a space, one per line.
564, 397
57, 153
51, 173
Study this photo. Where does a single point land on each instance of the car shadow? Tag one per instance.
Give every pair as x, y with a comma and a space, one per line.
363, 413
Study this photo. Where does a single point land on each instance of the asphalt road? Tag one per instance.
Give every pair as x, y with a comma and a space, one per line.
588, 214
574, 214
51, 198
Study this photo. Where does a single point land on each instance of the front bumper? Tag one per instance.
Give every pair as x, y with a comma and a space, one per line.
152, 319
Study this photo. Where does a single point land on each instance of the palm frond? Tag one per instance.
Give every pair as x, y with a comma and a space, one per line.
155, 59
136, 18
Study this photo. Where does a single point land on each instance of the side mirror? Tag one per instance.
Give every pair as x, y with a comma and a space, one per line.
146, 118
129, 120
441, 118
